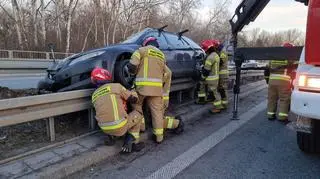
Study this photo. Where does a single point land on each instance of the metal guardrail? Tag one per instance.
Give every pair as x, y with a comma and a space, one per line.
26, 109
20, 54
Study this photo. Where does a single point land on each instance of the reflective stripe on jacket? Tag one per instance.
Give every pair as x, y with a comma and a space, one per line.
150, 63
279, 70
211, 64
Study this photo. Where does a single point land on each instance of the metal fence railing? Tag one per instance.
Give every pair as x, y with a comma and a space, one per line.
20, 54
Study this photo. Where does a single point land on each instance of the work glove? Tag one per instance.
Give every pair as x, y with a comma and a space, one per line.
127, 145
132, 99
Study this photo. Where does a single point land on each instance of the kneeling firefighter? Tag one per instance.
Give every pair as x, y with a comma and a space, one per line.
210, 72
109, 101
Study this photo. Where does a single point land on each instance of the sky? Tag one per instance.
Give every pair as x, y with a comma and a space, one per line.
277, 16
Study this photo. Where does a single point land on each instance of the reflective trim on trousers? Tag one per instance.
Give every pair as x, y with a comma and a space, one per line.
280, 77
158, 131
223, 72
112, 125
212, 78
165, 97
271, 113
170, 122
224, 102
136, 135
283, 114
217, 103
201, 95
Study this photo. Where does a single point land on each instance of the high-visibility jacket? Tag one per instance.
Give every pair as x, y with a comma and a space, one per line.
223, 69
212, 63
108, 103
150, 64
279, 70
166, 86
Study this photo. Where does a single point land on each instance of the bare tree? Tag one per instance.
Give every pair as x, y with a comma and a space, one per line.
71, 7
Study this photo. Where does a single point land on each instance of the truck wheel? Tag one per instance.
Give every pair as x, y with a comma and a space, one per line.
122, 75
310, 143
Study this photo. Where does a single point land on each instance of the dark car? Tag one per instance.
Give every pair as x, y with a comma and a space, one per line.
182, 54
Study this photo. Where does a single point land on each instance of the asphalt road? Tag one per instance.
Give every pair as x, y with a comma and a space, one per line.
20, 81
255, 148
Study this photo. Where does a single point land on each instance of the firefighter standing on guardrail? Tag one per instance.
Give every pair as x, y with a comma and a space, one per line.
223, 76
210, 72
109, 101
148, 63
279, 87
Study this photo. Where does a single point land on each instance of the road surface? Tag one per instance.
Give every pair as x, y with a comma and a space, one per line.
255, 148
20, 81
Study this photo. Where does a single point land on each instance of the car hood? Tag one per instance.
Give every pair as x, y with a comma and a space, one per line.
117, 48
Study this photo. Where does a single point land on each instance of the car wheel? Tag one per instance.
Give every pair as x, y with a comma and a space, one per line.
122, 75
310, 143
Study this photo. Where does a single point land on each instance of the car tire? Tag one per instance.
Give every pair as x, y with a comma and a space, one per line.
122, 75
310, 143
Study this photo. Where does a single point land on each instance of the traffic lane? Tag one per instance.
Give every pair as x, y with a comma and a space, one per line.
142, 164
20, 82
260, 149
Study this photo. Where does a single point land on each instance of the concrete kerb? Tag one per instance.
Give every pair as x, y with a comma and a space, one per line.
88, 158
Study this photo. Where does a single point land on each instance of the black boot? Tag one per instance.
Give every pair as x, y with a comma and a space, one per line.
137, 147
180, 127
109, 140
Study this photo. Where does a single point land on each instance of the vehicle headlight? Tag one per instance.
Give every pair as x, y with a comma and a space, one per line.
309, 83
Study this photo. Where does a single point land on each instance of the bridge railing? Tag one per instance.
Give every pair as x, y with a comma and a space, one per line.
20, 54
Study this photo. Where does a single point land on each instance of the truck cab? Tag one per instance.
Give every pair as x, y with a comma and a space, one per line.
306, 94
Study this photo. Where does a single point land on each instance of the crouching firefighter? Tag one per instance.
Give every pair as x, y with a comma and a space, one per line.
280, 87
211, 72
108, 100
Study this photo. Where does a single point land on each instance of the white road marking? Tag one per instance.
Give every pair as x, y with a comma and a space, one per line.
184, 160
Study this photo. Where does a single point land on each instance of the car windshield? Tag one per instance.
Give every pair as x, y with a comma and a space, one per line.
133, 38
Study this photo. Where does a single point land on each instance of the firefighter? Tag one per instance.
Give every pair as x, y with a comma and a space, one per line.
210, 72
148, 64
169, 122
109, 101
223, 77
280, 87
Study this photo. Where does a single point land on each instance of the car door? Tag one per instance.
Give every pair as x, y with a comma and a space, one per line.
179, 59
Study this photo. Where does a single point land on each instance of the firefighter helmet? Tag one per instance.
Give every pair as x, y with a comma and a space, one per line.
150, 41
287, 44
100, 76
208, 44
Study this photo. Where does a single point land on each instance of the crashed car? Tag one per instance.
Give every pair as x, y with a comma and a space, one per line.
73, 73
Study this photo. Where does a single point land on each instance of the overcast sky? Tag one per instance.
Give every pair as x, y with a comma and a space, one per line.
278, 15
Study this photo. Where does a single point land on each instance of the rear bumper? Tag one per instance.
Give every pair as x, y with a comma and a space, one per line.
306, 104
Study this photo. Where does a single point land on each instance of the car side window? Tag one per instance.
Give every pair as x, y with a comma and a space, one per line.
175, 42
161, 40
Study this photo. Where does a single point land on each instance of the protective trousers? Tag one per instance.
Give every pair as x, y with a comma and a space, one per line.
279, 90
132, 126
213, 86
223, 90
202, 96
155, 103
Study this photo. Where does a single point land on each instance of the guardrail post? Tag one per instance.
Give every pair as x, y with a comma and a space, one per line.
47, 55
92, 120
50, 129
10, 53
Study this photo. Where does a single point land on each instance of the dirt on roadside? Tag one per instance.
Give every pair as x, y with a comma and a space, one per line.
21, 138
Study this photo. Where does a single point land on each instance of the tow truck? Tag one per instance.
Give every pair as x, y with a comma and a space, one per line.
305, 99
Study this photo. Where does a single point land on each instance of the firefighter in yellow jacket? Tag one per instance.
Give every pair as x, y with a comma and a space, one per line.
169, 122
223, 76
210, 72
148, 63
279, 87
109, 101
